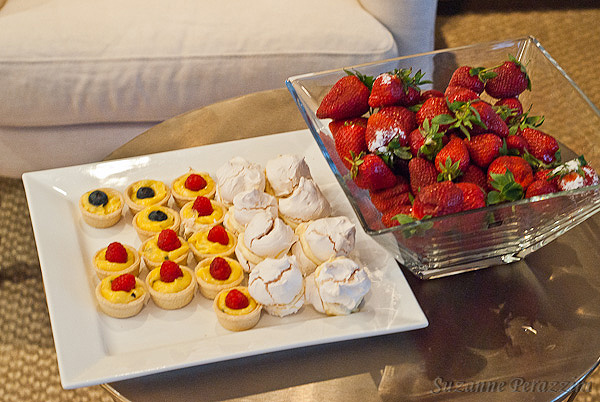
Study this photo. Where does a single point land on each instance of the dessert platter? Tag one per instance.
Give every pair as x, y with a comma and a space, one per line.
206, 254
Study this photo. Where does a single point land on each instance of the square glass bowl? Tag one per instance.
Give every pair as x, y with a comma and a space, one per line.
488, 236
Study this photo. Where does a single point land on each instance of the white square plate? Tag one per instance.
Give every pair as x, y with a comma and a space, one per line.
93, 348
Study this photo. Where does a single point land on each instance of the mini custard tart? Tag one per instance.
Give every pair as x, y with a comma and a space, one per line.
187, 187
102, 207
171, 286
236, 310
152, 220
217, 273
165, 246
144, 193
214, 242
116, 258
201, 214
121, 295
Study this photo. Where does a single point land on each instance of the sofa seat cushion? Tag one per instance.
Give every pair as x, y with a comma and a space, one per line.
81, 61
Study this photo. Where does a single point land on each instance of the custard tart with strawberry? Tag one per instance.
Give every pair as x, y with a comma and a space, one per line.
236, 310
171, 285
201, 214
214, 242
165, 246
102, 207
144, 193
187, 187
121, 295
116, 258
152, 220
217, 273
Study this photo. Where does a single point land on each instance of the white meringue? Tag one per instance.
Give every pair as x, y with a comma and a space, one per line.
278, 285
284, 172
306, 203
321, 240
337, 287
247, 204
265, 237
238, 175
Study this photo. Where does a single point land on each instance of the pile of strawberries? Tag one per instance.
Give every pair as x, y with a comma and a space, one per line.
423, 154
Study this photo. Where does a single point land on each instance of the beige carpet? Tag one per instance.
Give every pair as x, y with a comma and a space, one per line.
27, 358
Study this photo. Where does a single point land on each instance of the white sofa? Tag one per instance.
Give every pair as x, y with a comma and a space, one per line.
78, 78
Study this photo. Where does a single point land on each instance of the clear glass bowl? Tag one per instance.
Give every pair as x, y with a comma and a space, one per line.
493, 235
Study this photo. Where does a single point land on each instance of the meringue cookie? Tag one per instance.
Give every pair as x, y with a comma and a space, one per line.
321, 240
247, 204
337, 287
306, 203
238, 175
265, 237
278, 285
284, 172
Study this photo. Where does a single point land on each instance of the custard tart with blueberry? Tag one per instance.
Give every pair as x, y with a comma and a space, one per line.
187, 187
102, 207
116, 258
152, 220
121, 295
144, 193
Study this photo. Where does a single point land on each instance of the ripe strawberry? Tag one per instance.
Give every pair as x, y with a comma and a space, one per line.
236, 300
421, 173
452, 160
426, 140
348, 98
508, 108
335, 125
546, 174
433, 107
431, 93
397, 216
438, 199
511, 80
387, 124
484, 148
570, 181
350, 142
471, 78
541, 145
169, 271
474, 196
508, 177
195, 182
371, 172
168, 240
396, 88
492, 121
540, 187
219, 268
218, 234
203, 206
475, 175
124, 282
116, 252
518, 166
516, 145
590, 176
389, 198
460, 94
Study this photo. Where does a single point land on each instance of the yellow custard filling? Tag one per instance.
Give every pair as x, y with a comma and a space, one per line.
204, 272
113, 204
180, 188
223, 307
160, 192
154, 253
187, 212
205, 246
120, 296
169, 287
105, 265
144, 222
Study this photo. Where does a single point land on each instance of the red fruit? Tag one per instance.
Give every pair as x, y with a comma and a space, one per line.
236, 300
390, 218
426, 141
511, 80
387, 124
467, 77
169, 271
515, 144
335, 125
422, 173
203, 206
540, 187
124, 282
438, 199
460, 94
484, 148
474, 196
431, 93
116, 252
491, 119
570, 181
520, 169
545, 174
452, 160
350, 142
541, 145
395, 88
218, 234
475, 175
168, 240
387, 199
431, 108
508, 108
219, 268
371, 173
348, 98
195, 182
590, 176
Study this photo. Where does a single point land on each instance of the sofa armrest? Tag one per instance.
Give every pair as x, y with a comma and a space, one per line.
411, 22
